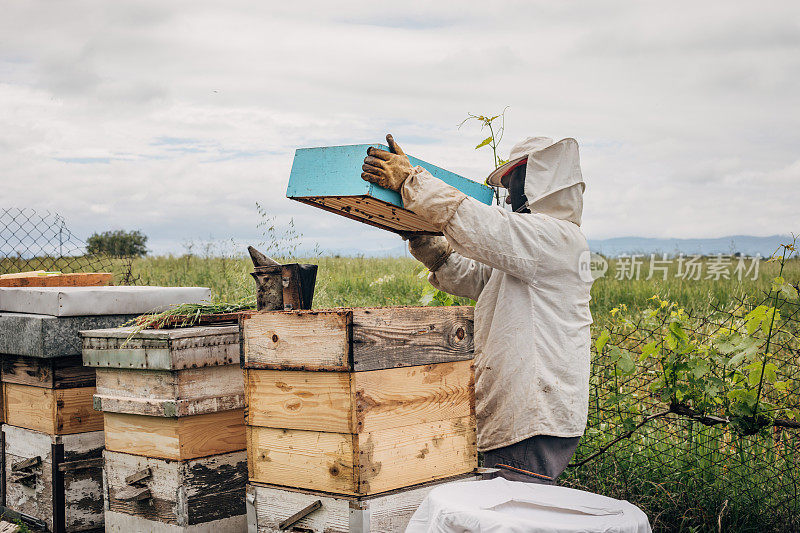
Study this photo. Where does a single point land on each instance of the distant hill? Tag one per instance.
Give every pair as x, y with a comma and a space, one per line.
743, 244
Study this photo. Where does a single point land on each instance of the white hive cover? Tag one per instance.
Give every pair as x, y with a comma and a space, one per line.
86, 301
499, 505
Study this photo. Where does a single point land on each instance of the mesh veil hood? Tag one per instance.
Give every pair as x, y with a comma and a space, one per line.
553, 181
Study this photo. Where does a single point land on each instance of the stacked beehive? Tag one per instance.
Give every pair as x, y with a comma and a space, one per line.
173, 408
346, 406
53, 438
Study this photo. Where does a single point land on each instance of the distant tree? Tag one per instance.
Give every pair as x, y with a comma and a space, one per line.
117, 243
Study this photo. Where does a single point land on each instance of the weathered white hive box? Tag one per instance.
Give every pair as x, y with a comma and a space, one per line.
146, 495
169, 373
269, 508
359, 401
57, 479
173, 407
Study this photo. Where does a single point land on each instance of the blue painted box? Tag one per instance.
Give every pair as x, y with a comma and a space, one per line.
330, 178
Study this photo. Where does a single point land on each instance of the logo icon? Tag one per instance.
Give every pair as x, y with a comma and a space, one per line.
591, 266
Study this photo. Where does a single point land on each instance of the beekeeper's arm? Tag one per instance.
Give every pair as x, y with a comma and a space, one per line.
476, 231
495, 237
450, 271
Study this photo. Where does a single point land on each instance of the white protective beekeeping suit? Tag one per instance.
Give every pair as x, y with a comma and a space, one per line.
532, 305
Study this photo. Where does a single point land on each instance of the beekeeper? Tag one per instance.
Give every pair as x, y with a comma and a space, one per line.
522, 266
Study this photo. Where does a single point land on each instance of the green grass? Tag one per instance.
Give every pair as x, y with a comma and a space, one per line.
347, 281
341, 281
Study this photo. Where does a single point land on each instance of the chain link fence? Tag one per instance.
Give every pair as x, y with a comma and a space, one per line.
33, 240
695, 419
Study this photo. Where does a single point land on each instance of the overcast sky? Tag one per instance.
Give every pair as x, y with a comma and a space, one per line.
176, 117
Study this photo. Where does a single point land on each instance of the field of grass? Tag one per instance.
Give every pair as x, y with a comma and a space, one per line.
349, 281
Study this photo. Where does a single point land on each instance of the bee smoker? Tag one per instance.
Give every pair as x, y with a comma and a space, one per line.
282, 287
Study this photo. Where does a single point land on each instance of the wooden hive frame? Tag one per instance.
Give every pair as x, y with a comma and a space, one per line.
374, 212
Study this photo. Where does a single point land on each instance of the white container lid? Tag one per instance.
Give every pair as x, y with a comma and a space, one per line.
517, 507
93, 301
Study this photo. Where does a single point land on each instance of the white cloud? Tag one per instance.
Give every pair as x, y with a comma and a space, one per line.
176, 117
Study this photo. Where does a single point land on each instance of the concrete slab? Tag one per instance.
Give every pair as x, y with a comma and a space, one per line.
92, 301
49, 336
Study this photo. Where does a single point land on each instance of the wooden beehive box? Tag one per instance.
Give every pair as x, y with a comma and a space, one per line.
52, 373
148, 495
43, 279
359, 401
57, 479
52, 411
53, 395
45, 388
173, 407
171, 394
330, 178
356, 339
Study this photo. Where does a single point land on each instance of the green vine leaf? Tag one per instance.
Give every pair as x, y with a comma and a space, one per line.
788, 290
484, 142
754, 318
754, 376
676, 338
770, 373
740, 349
624, 361
700, 368
648, 349
601, 340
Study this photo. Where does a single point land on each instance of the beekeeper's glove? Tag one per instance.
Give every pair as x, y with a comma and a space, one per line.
387, 169
431, 251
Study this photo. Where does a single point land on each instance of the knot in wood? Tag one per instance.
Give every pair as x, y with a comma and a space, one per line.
293, 405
